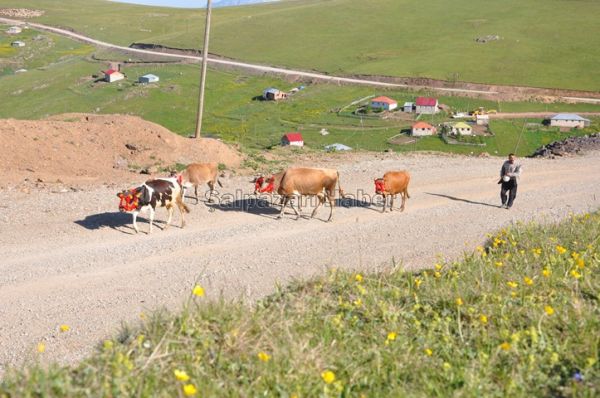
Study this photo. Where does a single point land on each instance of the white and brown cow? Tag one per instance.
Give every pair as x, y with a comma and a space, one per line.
321, 183
200, 173
161, 192
393, 183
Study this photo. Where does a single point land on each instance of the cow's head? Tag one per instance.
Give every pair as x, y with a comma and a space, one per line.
129, 200
379, 186
258, 183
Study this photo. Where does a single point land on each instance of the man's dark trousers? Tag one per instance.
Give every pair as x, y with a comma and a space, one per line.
509, 189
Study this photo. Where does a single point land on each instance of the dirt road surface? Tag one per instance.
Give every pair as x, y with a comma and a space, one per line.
71, 258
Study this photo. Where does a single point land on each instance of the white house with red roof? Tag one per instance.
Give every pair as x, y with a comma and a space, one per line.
384, 103
421, 129
427, 105
292, 139
112, 75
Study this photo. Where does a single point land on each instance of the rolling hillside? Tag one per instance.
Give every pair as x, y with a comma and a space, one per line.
549, 44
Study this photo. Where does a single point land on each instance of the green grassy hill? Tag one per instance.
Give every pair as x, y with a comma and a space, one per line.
518, 317
554, 43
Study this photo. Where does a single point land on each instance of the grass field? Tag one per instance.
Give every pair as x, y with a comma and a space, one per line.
518, 317
555, 43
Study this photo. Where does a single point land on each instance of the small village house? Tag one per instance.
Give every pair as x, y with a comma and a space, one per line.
461, 128
149, 78
427, 105
14, 30
408, 107
482, 120
569, 120
273, 94
17, 43
384, 103
420, 129
292, 139
337, 147
112, 75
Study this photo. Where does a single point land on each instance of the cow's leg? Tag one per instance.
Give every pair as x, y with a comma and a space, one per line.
293, 208
196, 193
300, 204
384, 203
211, 185
183, 189
135, 214
404, 196
320, 200
170, 210
285, 199
151, 218
331, 204
392, 202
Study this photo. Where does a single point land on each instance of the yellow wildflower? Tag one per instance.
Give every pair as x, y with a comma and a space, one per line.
513, 294
328, 376
575, 255
437, 274
560, 249
181, 375
358, 278
108, 344
438, 267
580, 263
512, 284
41, 347
428, 352
483, 319
358, 302
546, 272
189, 390
554, 358
459, 301
64, 328
391, 336
505, 346
263, 356
499, 264
418, 282
549, 310
198, 291
537, 251
575, 274
528, 281
447, 366
361, 289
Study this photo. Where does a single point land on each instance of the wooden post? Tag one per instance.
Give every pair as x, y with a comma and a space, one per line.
203, 71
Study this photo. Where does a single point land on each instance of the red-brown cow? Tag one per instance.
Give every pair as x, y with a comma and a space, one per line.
308, 181
161, 192
197, 174
393, 183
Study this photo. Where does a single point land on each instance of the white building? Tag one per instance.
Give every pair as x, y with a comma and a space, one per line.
14, 30
18, 43
149, 78
427, 105
112, 75
420, 129
461, 128
384, 103
569, 120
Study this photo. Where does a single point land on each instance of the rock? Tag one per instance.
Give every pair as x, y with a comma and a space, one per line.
131, 147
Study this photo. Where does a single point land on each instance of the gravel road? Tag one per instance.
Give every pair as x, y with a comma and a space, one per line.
71, 258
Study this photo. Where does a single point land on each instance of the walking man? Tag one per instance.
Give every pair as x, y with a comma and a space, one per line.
509, 175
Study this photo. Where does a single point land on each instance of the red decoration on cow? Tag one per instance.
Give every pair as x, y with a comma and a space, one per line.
129, 200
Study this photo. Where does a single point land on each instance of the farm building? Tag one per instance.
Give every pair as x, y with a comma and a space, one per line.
422, 129
273, 94
14, 30
337, 147
17, 43
149, 78
292, 139
426, 105
482, 120
384, 103
461, 128
569, 120
112, 75
408, 107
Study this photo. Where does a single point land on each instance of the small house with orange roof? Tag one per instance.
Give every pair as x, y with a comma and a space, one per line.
384, 103
420, 129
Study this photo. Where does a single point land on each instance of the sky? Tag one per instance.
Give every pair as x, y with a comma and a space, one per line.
187, 3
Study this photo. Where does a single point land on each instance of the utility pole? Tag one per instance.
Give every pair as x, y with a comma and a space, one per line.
203, 71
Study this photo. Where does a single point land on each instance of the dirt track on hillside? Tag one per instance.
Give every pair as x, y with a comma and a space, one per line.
71, 258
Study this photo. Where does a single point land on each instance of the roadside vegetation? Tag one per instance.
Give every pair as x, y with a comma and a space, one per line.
517, 317
541, 45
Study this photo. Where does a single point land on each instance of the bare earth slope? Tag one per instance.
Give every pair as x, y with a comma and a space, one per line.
71, 258
79, 148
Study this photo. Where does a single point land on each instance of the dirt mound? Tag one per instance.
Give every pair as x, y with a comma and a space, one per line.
80, 148
21, 12
569, 146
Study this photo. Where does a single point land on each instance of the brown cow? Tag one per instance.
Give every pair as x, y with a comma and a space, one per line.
308, 181
199, 173
393, 183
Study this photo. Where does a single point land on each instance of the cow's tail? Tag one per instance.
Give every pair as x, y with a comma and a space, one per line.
342, 193
182, 206
406, 189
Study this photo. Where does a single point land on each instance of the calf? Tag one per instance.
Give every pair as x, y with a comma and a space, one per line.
199, 173
161, 192
308, 181
393, 183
